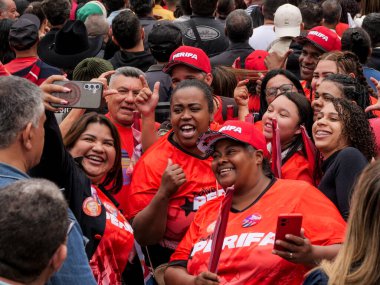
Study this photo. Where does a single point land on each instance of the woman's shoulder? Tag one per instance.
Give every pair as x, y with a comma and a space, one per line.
316, 277
351, 154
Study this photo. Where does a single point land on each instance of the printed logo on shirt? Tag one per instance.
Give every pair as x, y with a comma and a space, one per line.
211, 227
200, 199
124, 225
251, 220
206, 33
236, 241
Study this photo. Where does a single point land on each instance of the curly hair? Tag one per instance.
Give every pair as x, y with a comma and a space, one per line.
356, 127
347, 62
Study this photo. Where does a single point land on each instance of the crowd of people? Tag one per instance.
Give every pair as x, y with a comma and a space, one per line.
216, 118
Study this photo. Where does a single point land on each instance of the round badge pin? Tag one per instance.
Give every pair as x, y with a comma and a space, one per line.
251, 220
91, 207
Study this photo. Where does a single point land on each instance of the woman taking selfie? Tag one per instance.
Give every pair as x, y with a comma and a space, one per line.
247, 256
291, 111
344, 138
89, 169
356, 263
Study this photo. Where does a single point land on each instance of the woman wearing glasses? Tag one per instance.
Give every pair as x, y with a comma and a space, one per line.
277, 81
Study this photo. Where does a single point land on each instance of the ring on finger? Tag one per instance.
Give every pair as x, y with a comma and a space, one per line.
291, 255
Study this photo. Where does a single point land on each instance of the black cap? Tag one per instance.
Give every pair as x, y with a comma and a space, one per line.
24, 32
165, 36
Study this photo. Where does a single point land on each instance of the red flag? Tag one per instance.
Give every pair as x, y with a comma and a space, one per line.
220, 231
276, 150
310, 149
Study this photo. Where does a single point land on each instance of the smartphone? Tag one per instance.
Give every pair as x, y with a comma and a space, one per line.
83, 94
287, 224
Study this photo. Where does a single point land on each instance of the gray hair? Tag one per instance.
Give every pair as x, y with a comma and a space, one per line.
127, 71
33, 225
96, 25
20, 104
3, 6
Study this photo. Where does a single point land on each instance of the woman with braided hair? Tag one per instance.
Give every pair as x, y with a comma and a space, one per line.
344, 138
343, 63
340, 86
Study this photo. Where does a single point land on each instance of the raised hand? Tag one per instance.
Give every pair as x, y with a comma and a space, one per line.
241, 94
375, 106
172, 179
48, 87
146, 101
276, 61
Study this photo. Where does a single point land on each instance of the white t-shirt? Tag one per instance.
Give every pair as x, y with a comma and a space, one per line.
262, 37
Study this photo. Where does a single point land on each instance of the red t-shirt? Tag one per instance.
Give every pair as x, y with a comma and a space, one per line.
246, 256
126, 141
297, 167
306, 90
340, 28
200, 186
111, 256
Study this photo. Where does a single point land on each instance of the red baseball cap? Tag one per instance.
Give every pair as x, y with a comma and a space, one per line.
322, 38
239, 131
255, 61
191, 56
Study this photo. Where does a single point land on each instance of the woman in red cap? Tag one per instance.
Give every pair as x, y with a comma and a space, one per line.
247, 255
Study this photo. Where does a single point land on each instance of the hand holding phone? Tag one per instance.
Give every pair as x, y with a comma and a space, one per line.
287, 224
83, 94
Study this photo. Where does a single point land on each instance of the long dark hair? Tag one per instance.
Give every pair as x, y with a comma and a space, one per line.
114, 178
356, 127
305, 113
269, 76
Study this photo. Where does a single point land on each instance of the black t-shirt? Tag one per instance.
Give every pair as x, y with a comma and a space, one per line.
210, 31
340, 172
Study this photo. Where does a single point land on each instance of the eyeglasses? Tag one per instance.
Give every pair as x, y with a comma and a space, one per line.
273, 91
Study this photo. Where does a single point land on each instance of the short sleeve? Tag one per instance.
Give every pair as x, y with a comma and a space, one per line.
322, 221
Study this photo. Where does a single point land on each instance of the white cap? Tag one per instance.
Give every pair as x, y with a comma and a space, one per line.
287, 21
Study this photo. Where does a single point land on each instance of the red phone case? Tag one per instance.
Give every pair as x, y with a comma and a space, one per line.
287, 224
